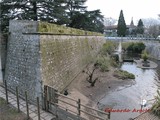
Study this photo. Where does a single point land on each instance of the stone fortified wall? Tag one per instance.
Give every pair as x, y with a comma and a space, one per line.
153, 48
41, 54
3, 50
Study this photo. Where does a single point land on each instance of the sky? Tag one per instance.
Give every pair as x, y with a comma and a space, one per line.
138, 9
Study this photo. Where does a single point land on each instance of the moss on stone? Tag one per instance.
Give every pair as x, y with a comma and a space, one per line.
44, 27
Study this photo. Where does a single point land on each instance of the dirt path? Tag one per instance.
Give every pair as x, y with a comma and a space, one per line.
105, 84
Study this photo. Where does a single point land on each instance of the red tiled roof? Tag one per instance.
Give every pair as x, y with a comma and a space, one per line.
111, 27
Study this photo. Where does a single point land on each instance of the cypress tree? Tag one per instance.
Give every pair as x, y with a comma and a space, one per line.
121, 28
140, 27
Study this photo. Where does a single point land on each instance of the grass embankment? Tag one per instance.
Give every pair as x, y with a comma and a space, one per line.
8, 112
121, 74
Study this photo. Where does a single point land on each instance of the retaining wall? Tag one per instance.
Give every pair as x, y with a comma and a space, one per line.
40, 54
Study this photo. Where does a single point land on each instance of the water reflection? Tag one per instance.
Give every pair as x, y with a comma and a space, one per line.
145, 87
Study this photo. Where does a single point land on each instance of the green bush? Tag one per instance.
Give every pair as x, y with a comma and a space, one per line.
109, 47
104, 60
156, 106
144, 55
121, 74
137, 47
125, 45
113, 63
103, 63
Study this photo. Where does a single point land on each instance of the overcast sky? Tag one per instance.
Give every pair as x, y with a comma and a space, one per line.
131, 8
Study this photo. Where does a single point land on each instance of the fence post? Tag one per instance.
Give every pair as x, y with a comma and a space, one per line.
27, 105
55, 95
5, 82
38, 110
109, 115
45, 98
79, 107
56, 101
17, 99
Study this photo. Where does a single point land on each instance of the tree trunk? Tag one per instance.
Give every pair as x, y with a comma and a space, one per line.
35, 11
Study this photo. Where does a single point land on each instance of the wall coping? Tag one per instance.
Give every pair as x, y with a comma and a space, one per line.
50, 33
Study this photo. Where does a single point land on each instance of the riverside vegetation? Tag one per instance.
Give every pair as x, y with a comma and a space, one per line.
106, 61
132, 47
121, 74
107, 50
156, 106
139, 48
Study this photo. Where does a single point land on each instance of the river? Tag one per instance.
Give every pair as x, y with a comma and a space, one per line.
129, 97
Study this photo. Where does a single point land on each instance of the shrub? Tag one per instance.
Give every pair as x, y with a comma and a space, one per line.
113, 63
125, 45
156, 106
144, 55
103, 63
108, 47
137, 47
121, 74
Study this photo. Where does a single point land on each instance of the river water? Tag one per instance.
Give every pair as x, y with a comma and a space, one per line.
129, 97
144, 86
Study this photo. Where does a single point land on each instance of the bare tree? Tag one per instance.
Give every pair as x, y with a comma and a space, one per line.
154, 30
152, 26
90, 72
150, 22
109, 21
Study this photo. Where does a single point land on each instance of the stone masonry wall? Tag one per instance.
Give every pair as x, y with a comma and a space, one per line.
153, 48
46, 54
63, 57
3, 50
23, 59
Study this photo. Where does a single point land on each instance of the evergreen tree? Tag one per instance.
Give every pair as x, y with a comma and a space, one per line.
50, 11
121, 28
90, 20
70, 12
96, 21
140, 27
75, 7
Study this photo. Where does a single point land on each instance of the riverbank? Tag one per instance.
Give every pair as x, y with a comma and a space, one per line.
80, 88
